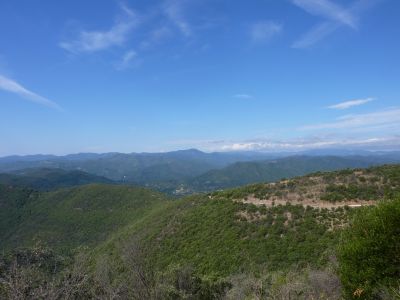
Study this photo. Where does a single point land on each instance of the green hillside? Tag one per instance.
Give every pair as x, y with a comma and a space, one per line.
68, 218
221, 237
268, 234
292, 222
237, 219
12, 203
242, 173
50, 179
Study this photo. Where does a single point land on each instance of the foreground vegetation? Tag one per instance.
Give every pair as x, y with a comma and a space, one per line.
369, 252
368, 264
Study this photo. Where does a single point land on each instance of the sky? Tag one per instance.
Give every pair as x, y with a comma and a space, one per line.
217, 75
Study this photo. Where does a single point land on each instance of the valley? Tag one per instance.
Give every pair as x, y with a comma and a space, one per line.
290, 227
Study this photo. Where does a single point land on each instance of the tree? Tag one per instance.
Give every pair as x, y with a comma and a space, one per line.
369, 252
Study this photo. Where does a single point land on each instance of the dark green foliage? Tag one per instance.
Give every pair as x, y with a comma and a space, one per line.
191, 245
50, 179
369, 252
72, 217
215, 238
12, 203
341, 192
375, 183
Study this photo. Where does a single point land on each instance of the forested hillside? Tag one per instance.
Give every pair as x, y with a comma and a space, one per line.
50, 179
68, 218
254, 240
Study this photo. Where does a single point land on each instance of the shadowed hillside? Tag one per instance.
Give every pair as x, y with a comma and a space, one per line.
50, 179
68, 218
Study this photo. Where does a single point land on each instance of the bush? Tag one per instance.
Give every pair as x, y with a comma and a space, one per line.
369, 252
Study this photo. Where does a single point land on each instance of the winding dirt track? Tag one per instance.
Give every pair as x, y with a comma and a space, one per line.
307, 202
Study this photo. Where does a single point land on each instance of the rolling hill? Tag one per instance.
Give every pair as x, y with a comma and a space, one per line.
70, 217
243, 173
292, 225
276, 225
50, 179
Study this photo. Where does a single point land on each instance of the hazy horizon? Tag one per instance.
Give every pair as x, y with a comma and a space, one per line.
282, 153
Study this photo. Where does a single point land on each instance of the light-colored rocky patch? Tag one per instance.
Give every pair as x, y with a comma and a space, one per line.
315, 203
250, 217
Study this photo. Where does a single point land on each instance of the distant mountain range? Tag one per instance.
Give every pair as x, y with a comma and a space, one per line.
134, 167
179, 172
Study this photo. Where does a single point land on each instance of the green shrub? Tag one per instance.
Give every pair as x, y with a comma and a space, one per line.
369, 252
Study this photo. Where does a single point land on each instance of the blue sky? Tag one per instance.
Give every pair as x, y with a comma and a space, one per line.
218, 75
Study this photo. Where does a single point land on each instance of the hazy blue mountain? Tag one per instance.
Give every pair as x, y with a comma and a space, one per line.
134, 167
193, 170
25, 158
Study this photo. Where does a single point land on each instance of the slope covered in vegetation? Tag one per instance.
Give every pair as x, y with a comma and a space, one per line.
254, 240
50, 179
355, 186
293, 222
68, 218
242, 173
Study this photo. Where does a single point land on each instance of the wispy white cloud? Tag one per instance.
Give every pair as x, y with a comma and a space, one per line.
369, 131
91, 41
127, 60
316, 34
329, 10
335, 17
351, 103
377, 142
156, 36
312, 143
389, 117
14, 87
243, 96
264, 31
174, 10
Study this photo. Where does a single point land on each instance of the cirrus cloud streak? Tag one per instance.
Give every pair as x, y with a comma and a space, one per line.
14, 87
351, 103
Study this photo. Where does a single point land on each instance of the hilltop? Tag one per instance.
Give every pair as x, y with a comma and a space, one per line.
43, 179
291, 222
323, 189
243, 173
